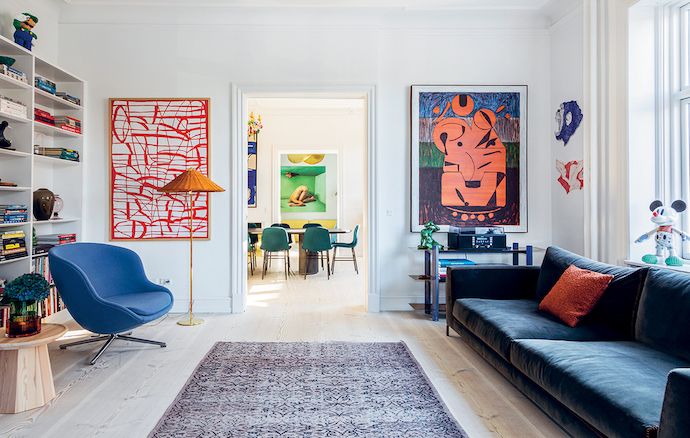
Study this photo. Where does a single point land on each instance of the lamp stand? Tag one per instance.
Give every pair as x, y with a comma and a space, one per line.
190, 320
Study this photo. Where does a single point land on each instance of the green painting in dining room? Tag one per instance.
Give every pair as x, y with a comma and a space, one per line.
303, 189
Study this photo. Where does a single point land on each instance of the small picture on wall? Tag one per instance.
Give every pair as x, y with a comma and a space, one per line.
469, 160
303, 189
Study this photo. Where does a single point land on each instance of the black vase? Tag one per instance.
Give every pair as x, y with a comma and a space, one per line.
44, 201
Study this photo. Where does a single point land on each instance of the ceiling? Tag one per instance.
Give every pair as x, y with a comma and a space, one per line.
406, 4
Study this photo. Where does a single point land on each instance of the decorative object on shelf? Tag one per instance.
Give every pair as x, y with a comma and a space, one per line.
254, 125
57, 207
12, 107
188, 182
427, 236
571, 175
5, 143
7, 183
6, 60
44, 202
24, 25
469, 160
568, 118
664, 219
177, 138
22, 295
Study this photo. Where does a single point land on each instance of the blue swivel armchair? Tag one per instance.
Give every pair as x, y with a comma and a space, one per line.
106, 291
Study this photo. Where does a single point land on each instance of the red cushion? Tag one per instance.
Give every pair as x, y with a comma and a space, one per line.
575, 294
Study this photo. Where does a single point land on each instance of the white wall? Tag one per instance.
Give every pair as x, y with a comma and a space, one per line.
200, 52
567, 83
312, 125
47, 11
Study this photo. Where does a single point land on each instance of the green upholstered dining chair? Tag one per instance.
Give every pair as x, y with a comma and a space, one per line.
316, 241
287, 227
274, 240
253, 246
314, 225
352, 245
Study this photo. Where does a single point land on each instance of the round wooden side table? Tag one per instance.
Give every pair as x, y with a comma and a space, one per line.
27, 379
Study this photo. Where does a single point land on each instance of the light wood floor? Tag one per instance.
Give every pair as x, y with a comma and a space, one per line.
128, 390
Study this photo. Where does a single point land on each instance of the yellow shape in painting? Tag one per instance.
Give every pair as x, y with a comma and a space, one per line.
296, 158
314, 158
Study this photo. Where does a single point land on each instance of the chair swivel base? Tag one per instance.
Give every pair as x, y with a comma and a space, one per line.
109, 339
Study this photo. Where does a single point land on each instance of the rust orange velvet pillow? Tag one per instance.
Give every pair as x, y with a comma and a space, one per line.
575, 294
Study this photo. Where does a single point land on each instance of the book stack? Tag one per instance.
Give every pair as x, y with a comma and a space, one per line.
13, 245
44, 117
13, 73
45, 85
56, 239
12, 107
444, 264
68, 98
62, 153
68, 124
52, 304
13, 213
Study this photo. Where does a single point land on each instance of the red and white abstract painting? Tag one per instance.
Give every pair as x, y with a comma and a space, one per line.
571, 175
152, 141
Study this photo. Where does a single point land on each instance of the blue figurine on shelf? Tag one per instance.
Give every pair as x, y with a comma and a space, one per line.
23, 34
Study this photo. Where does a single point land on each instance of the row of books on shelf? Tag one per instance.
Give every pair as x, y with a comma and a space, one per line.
14, 73
13, 213
62, 153
12, 107
63, 122
47, 307
51, 87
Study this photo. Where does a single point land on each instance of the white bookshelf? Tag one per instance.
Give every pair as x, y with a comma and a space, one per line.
29, 171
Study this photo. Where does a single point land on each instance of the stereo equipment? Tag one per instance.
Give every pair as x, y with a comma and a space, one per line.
476, 238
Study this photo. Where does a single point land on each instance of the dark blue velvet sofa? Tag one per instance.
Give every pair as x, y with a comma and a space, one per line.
623, 372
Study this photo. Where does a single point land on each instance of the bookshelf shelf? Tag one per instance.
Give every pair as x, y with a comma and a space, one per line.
55, 161
8, 82
31, 171
46, 129
14, 189
14, 118
64, 220
14, 224
44, 98
14, 153
18, 259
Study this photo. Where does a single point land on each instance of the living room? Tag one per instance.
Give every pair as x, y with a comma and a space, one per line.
517, 264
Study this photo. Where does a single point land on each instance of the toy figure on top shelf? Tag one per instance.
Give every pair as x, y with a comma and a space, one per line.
664, 218
427, 240
24, 25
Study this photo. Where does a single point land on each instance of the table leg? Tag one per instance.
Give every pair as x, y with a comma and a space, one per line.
311, 266
27, 379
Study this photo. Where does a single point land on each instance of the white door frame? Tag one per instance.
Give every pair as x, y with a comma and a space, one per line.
238, 181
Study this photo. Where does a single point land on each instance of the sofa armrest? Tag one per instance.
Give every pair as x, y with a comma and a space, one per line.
497, 282
675, 421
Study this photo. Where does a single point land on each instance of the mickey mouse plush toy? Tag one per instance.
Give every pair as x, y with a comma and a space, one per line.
664, 218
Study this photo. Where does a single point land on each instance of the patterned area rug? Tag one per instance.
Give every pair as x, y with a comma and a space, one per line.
308, 390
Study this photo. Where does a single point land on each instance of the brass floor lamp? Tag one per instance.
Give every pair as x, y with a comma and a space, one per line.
191, 181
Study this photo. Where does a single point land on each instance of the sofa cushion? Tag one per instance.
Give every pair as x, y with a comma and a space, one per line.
500, 322
145, 303
616, 308
664, 312
617, 387
575, 294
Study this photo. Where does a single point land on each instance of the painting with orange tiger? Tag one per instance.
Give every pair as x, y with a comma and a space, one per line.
469, 156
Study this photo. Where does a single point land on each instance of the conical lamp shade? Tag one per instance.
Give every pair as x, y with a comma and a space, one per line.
191, 180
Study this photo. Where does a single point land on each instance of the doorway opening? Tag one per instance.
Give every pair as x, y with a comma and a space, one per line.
309, 164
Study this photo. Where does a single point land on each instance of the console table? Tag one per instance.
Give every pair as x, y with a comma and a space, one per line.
27, 379
432, 274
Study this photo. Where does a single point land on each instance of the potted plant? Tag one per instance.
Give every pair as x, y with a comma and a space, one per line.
22, 295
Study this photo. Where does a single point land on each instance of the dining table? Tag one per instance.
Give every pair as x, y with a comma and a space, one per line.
308, 266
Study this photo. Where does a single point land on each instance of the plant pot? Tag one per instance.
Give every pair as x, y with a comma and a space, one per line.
24, 319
